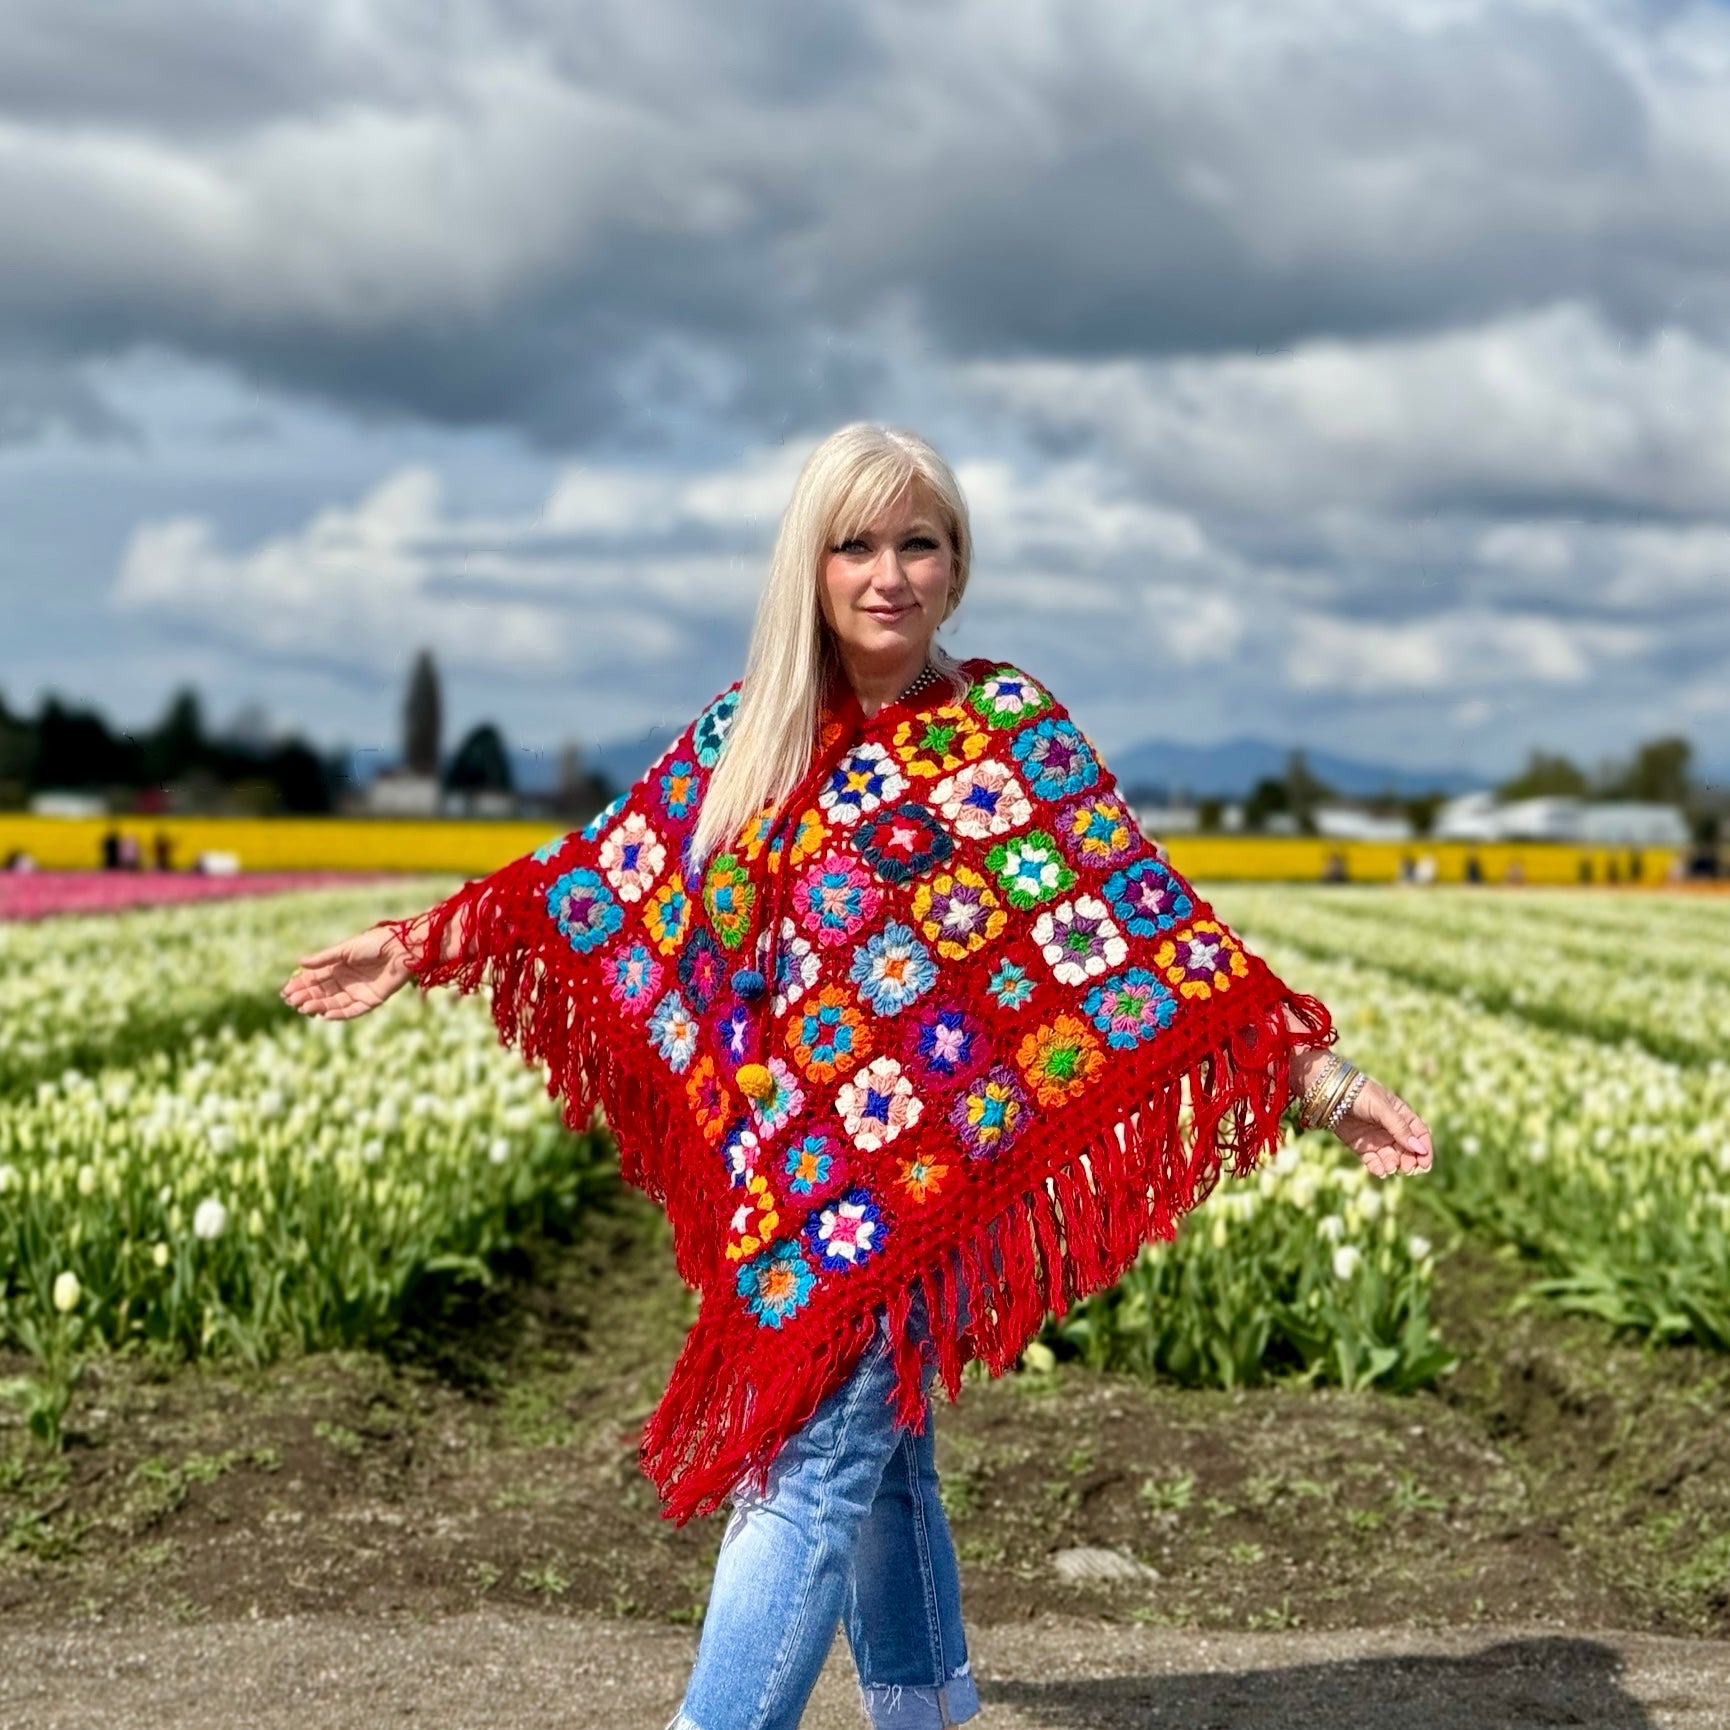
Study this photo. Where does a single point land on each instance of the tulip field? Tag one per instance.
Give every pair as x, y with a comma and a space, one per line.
188, 1168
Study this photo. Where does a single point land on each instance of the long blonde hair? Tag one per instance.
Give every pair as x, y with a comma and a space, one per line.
854, 474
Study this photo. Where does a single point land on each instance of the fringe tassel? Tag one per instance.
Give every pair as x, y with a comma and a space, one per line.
1105, 1184
1093, 1188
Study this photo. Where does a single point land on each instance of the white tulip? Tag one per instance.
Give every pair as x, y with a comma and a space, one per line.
209, 1218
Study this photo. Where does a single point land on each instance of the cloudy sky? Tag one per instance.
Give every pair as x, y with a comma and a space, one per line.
1348, 372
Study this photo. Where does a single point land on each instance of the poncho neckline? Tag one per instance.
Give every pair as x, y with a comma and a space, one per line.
945, 1019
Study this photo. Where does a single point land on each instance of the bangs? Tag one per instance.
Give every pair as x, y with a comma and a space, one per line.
871, 491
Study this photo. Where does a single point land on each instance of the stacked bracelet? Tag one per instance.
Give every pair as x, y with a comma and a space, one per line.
1326, 1071
1353, 1088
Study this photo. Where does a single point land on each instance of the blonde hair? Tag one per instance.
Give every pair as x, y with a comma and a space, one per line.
853, 475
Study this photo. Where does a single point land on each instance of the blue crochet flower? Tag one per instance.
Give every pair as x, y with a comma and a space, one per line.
1148, 898
777, 1283
892, 969
1056, 760
584, 909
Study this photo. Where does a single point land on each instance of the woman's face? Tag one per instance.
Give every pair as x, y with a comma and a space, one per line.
884, 591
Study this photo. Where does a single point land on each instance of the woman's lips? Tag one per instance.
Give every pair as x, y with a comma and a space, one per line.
887, 612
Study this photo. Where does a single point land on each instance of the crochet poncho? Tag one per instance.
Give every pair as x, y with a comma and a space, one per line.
945, 1015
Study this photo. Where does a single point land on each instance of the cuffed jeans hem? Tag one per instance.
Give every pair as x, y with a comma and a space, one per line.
893, 1706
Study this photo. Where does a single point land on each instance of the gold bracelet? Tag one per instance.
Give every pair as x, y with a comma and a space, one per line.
1329, 1063
1342, 1106
1337, 1084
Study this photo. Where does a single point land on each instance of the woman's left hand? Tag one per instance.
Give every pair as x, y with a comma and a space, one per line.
1384, 1132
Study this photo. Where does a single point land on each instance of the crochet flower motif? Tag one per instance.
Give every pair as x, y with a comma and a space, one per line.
1200, 960
667, 914
633, 976
754, 1221
596, 825
1079, 940
903, 842
711, 1104
781, 1104
859, 784
734, 1034
1055, 758
755, 836
702, 971
959, 912
982, 800
938, 742
728, 895
828, 1038
835, 898
877, 1104
1060, 1059
809, 834
680, 785
739, 1150
989, 1114
713, 726
1148, 898
776, 1283
921, 1177
892, 969
584, 909
673, 1032
632, 857
1010, 985
847, 1231
1030, 869
1098, 833
814, 1163
944, 1043
796, 966
1130, 1008
1007, 698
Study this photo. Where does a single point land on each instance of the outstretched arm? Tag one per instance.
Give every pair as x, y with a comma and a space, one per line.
359, 973
1380, 1128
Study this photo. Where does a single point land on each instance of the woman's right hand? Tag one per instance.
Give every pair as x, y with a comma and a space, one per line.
350, 977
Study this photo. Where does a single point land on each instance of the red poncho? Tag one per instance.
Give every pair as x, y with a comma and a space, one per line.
944, 1015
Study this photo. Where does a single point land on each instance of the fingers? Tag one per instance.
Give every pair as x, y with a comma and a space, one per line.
1408, 1150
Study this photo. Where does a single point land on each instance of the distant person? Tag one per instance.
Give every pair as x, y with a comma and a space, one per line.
877, 948
111, 850
162, 848
1636, 867
1408, 868
131, 854
19, 860
1334, 868
1474, 870
1584, 871
1428, 869
1612, 870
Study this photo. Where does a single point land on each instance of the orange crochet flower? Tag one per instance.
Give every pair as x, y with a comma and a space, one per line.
921, 1176
1059, 1059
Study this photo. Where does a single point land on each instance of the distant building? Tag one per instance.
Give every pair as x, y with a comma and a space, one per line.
51, 804
396, 793
1559, 817
1168, 819
1351, 823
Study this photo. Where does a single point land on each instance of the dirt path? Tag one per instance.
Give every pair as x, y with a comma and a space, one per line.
521, 1670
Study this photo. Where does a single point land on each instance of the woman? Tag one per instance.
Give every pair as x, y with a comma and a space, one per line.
890, 1005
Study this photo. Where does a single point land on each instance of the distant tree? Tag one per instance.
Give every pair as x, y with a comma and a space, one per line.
1210, 812
422, 723
1658, 771
176, 745
300, 778
1547, 776
1267, 796
75, 749
1303, 790
480, 764
1420, 811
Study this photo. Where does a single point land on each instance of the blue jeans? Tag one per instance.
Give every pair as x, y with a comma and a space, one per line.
851, 1531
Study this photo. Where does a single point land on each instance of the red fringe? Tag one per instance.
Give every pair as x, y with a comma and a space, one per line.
1101, 1180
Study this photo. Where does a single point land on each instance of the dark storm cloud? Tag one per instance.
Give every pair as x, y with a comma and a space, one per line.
521, 213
